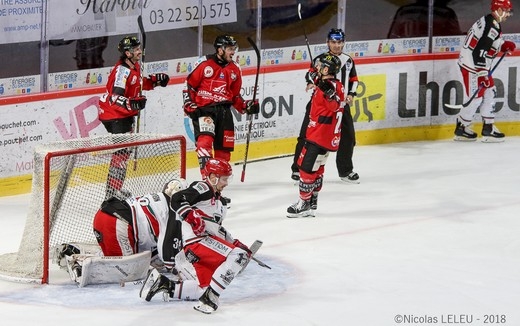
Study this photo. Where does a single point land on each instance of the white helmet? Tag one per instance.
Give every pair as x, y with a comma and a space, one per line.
174, 185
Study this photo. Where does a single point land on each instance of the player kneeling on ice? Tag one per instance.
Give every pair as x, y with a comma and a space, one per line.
211, 257
132, 234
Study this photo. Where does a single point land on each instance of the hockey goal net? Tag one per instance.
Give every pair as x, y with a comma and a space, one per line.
71, 180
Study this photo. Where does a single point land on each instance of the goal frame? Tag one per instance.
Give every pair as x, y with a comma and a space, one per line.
48, 205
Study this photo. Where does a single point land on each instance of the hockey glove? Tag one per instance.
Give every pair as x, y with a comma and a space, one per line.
239, 244
483, 79
197, 223
136, 103
251, 107
508, 46
327, 88
160, 79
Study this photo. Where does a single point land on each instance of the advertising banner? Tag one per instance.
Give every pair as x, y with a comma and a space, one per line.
77, 19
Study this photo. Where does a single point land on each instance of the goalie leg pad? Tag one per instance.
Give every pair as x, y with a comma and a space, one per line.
108, 269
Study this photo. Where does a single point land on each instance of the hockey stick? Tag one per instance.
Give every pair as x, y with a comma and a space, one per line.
254, 249
260, 263
250, 116
138, 122
460, 106
304, 31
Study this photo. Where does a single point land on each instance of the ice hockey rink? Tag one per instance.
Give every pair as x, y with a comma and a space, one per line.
430, 236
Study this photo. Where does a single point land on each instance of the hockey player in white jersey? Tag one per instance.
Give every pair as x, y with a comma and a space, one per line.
483, 42
125, 230
211, 257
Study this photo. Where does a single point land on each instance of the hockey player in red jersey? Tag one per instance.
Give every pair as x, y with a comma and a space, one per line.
348, 76
211, 89
211, 257
322, 135
483, 42
122, 102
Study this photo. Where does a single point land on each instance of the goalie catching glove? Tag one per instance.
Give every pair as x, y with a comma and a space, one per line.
251, 107
160, 79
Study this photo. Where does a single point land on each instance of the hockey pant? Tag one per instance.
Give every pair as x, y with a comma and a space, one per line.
485, 99
214, 132
311, 162
115, 236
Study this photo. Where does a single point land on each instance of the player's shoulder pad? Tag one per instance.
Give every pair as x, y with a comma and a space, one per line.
201, 187
236, 65
199, 61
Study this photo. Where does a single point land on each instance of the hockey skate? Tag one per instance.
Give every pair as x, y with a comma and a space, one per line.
464, 133
63, 250
208, 302
302, 208
352, 177
313, 204
491, 134
154, 283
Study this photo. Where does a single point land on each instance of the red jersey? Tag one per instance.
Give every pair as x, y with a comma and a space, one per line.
214, 82
125, 82
324, 127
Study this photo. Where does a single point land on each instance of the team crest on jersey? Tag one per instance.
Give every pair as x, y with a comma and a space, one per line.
221, 76
233, 76
208, 72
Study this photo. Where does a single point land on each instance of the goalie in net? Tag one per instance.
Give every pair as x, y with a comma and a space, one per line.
68, 187
132, 235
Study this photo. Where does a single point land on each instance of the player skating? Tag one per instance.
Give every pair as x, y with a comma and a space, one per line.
122, 102
322, 135
483, 42
211, 257
348, 77
212, 88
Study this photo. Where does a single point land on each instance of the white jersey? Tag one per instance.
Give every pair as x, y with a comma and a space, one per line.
200, 197
152, 219
482, 44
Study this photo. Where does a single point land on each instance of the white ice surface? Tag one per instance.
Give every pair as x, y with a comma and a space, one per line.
433, 230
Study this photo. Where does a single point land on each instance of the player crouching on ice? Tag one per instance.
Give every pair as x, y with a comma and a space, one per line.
132, 234
211, 257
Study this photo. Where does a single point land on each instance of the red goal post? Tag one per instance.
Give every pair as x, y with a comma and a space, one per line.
69, 184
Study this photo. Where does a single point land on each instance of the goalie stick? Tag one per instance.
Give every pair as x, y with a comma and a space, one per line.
460, 106
143, 42
250, 116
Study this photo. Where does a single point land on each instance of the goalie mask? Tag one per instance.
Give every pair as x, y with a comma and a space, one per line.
174, 185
